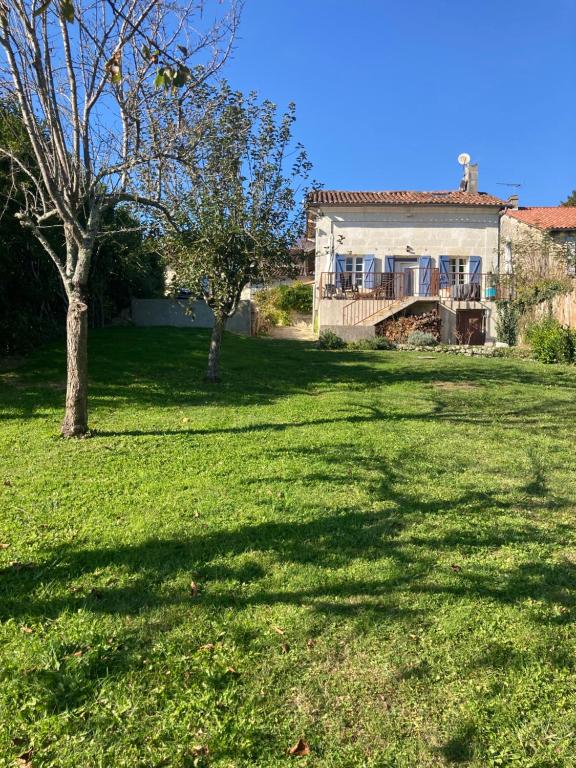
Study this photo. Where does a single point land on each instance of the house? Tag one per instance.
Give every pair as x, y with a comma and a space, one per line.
546, 234
539, 244
380, 254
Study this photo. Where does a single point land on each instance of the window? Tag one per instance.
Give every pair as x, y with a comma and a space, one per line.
355, 265
457, 271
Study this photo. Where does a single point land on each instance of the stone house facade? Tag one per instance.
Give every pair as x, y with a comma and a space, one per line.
379, 254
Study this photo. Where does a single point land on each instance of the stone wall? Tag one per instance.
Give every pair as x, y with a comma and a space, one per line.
388, 230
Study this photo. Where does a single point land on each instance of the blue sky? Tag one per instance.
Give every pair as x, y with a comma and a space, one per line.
389, 93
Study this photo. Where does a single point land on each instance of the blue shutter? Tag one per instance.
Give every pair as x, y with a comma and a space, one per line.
369, 270
340, 268
389, 264
475, 269
425, 264
444, 271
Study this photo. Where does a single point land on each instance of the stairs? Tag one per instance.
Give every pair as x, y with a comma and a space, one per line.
372, 311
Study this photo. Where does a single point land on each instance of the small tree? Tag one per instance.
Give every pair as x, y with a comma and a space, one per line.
507, 322
240, 213
99, 86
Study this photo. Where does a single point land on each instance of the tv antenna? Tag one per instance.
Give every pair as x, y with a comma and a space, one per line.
508, 184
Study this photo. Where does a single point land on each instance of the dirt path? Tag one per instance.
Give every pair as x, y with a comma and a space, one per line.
295, 332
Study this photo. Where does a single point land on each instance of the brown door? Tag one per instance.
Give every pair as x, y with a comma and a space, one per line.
470, 326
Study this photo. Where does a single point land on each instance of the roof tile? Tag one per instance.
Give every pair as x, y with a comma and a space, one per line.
546, 217
340, 197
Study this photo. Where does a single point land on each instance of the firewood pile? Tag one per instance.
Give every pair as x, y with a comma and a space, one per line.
397, 329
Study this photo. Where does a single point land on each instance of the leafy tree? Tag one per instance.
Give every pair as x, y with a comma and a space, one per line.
100, 87
570, 200
32, 298
240, 213
32, 301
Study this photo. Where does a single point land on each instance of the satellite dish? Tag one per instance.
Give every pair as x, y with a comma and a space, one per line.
464, 158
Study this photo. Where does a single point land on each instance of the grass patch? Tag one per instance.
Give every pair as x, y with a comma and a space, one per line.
382, 543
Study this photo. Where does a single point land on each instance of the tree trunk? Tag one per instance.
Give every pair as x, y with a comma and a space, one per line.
76, 417
213, 372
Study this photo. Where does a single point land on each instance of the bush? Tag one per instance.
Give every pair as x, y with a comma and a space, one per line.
552, 342
378, 342
276, 306
329, 340
295, 298
422, 339
507, 322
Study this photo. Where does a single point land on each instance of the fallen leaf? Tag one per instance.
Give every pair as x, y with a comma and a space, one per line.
4, 546
284, 647
456, 568
199, 749
193, 589
207, 647
300, 749
278, 630
310, 642
232, 671
26, 630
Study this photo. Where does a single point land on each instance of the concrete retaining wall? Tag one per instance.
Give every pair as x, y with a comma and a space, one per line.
153, 312
352, 332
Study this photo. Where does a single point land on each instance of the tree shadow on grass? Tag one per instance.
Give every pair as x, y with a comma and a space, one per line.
458, 526
164, 367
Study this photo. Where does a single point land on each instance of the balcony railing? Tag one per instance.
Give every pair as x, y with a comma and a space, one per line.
380, 285
475, 286
419, 282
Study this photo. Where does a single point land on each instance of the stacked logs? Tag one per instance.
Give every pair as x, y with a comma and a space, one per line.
397, 329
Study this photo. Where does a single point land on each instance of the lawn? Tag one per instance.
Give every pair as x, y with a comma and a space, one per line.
372, 551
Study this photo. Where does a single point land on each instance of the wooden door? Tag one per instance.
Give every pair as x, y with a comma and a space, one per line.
471, 326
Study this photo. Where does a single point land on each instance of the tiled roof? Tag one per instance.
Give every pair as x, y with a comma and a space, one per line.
337, 197
550, 217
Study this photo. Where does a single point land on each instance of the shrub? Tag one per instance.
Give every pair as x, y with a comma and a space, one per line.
277, 305
508, 316
295, 298
422, 339
329, 340
551, 342
378, 342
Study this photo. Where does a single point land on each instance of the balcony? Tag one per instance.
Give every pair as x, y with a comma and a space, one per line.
419, 282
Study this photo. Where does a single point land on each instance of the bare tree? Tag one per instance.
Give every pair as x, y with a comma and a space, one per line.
100, 86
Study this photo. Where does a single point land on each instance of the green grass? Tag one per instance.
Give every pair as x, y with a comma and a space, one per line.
383, 545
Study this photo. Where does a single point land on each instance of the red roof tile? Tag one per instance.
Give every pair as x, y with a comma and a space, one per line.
337, 197
549, 217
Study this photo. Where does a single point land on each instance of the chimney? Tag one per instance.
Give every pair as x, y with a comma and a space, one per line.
472, 186
512, 202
